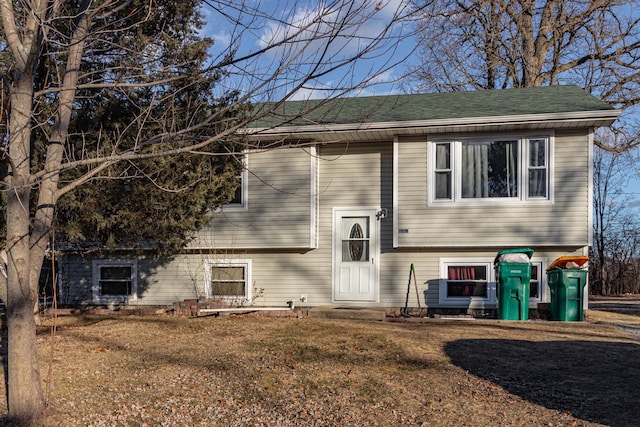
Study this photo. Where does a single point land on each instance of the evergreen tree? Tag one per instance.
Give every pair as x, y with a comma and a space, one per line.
157, 203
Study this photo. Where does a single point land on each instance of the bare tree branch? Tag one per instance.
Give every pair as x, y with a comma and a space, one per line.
472, 44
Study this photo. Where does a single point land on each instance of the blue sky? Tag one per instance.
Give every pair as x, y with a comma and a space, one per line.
264, 24
633, 189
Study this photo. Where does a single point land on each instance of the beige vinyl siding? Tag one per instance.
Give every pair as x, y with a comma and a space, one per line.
561, 221
166, 281
159, 281
275, 279
279, 202
349, 175
285, 277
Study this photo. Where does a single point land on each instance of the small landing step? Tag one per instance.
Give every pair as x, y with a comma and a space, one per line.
353, 313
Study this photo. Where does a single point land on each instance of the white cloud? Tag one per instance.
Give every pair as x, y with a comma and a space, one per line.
341, 27
222, 39
331, 45
308, 93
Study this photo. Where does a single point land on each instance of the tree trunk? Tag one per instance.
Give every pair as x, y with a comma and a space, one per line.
25, 397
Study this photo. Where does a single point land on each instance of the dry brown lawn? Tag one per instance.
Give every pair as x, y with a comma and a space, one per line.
247, 371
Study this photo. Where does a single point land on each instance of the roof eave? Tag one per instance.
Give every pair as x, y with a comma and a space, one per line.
598, 118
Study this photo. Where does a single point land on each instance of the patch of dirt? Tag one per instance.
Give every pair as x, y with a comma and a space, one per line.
237, 371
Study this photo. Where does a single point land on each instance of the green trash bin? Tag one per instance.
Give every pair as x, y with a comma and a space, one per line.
567, 290
513, 274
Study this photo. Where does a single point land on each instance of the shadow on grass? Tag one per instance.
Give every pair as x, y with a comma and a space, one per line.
595, 381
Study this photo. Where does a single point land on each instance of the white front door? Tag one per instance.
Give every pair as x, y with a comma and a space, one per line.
355, 255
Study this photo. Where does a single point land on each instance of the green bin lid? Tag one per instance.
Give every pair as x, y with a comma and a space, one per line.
527, 251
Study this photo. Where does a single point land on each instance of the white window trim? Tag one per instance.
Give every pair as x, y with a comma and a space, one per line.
523, 178
95, 287
527, 167
491, 300
471, 302
315, 196
246, 263
244, 185
545, 294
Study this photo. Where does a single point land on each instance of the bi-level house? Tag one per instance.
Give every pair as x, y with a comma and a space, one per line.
354, 192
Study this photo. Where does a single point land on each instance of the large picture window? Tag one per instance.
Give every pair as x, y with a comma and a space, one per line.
489, 169
496, 169
114, 281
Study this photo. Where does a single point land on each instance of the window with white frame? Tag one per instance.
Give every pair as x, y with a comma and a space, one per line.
464, 280
239, 200
538, 168
536, 291
472, 281
114, 280
228, 279
490, 169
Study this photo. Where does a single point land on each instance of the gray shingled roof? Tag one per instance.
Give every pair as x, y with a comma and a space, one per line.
435, 106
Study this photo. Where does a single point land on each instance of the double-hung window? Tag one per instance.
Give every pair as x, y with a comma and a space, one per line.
114, 281
228, 279
538, 168
490, 169
536, 289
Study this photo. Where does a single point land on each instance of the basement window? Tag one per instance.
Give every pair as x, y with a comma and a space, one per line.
114, 281
228, 279
467, 282
471, 282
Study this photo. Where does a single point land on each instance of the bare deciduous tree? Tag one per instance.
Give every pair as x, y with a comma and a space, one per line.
62, 53
616, 229
493, 44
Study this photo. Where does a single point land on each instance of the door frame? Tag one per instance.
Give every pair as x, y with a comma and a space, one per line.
374, 249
